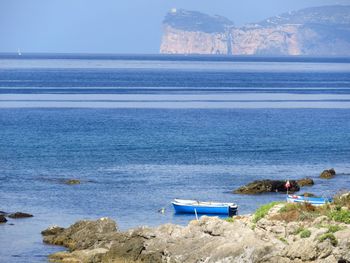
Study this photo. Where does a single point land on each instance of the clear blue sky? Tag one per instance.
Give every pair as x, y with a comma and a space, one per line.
116, 26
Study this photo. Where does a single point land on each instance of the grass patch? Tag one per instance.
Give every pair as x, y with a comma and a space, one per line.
334, 228
297, 212
230, 219
263, 210
331, 238
305, 233
331, 228
342, 199
340, 216
298, 230
283, 240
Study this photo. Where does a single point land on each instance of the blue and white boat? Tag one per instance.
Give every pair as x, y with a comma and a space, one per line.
312, 200
197, 207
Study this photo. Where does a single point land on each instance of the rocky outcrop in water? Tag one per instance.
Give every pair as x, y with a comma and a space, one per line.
328, 174
19, 215
3, 219
312, 31
267, 186
305, 182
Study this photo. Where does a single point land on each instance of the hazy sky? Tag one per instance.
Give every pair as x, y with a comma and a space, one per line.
116, 26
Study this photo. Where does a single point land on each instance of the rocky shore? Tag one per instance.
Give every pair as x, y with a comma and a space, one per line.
277, 232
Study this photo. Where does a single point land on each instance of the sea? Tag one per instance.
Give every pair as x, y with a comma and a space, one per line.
141, 130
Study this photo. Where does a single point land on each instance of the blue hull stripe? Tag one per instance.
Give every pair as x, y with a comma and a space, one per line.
200, 209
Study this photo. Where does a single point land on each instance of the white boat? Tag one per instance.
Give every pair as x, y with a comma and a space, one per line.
311, 200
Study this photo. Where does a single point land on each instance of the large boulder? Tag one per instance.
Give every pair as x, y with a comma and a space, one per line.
3, 219
305, 182
266, 186
19, 215
82, 235
328, 174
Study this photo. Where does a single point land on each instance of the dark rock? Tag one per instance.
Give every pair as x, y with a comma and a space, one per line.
328, 174
308, 195
305, 182
72, 181
266, 186
3, 219
19, 215
54, 230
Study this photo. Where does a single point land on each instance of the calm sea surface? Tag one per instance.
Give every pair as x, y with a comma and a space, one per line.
139, 131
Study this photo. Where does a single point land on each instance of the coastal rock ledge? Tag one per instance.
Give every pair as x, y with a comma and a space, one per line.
208, 240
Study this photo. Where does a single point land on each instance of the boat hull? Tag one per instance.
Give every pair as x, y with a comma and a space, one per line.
311, 200
202, 209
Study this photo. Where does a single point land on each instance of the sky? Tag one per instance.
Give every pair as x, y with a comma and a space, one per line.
116, 26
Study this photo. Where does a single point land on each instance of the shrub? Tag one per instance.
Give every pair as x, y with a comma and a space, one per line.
329, 236
262, 211
342, 199
340, 216
334, 228
298, 230
305, 233
230, 219
288, 207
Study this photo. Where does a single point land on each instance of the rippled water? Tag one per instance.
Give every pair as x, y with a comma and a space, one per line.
141, 133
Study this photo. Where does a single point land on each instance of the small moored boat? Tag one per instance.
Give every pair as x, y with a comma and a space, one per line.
311, 200
194, 206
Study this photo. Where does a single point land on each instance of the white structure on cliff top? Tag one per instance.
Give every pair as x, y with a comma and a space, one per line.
173, 10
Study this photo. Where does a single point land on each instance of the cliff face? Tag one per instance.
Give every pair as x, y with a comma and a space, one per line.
311, 31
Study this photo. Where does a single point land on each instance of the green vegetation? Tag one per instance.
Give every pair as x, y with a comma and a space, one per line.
283, 240
288, 207
263, 210
341, 215
298, 230
307, 212
342, 200
230, 219
331, 228
329, 236
334, 228
305, 233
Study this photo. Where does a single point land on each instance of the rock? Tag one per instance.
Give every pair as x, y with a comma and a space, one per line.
306, 194
3, 219
52, 230
2, 213
81, 235
328, 174
72, 181
305, 182
265, 186
208, 240
19, 215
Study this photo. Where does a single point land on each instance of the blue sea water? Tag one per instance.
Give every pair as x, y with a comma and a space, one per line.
139, 131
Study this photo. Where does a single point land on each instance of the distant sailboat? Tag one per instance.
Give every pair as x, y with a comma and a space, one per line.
19, 52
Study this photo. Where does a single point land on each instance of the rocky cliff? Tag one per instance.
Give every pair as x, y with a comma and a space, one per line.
312, 31
277, 232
